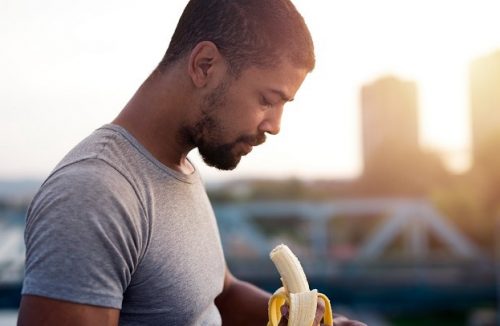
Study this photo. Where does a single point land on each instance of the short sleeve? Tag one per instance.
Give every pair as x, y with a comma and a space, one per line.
85, 234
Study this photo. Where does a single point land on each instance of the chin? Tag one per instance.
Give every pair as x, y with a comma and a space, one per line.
225, 157
225, 165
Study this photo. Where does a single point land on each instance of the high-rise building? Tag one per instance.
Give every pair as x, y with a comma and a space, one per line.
485, 109
389, 114
394, 163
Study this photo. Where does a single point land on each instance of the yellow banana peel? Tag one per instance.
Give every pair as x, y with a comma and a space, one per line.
301, 301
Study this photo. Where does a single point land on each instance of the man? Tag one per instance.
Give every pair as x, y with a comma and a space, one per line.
122, 231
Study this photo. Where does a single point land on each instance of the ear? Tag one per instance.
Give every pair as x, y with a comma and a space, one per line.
205, 63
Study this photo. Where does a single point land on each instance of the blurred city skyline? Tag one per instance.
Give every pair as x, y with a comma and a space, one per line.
69, 68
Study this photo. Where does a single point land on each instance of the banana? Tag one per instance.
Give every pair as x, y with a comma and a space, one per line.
295, 292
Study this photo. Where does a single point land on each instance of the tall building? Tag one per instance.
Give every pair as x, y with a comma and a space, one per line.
485, 109
394, 163
389, 116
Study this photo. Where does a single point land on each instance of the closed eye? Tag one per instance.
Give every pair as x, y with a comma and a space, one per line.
265, 102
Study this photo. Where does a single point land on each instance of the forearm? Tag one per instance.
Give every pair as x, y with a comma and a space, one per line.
243, 304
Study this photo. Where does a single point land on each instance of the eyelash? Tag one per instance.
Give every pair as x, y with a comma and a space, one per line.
266, 103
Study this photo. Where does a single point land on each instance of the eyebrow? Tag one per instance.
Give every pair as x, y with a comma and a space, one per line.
283, 96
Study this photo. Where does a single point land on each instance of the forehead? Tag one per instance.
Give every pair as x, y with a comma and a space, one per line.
284, 78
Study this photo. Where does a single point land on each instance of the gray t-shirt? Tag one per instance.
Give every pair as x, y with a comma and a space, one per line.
114, 227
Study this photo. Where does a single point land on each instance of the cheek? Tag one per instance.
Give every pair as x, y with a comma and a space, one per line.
240, 115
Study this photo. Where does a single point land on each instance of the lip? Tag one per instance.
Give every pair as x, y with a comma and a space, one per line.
247, 148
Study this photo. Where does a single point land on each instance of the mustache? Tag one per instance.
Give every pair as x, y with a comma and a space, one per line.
253, 140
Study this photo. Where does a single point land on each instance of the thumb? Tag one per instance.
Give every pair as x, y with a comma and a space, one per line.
284, 315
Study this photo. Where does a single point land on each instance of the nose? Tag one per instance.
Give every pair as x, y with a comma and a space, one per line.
272, 121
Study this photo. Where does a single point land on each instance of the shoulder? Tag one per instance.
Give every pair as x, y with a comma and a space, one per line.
86, 178
89, 190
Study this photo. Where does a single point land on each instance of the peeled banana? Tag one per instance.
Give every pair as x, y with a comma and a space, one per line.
302, 301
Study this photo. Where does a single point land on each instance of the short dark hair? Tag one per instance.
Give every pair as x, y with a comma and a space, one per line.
247, 33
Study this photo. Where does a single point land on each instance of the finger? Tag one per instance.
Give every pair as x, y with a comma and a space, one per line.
350, 323
284, 315
284, 310
320, 311
283, 321
343, 321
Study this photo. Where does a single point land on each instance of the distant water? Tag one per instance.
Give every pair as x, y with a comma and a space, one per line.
8, 317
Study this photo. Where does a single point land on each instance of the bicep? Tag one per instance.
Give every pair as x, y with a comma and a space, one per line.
41, 311
242, 303
229, 279
84, 237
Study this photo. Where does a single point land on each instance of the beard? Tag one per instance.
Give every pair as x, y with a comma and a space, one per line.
223, 156
207, 133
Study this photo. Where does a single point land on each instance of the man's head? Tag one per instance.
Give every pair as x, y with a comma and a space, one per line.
208, 133
236, 114
248, 33
245, 60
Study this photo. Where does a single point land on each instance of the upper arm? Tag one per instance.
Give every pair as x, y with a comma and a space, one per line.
41, 311
84, 236
229, 279
242, 303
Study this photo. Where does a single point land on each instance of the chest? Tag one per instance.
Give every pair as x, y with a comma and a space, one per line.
182, 269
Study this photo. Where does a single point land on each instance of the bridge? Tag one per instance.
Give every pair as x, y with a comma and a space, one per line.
464, 276
414, 219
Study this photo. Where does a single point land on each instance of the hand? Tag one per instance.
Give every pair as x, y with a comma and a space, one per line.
320, 311
338, 320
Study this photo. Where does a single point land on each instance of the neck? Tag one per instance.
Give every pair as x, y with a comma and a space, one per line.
155, 116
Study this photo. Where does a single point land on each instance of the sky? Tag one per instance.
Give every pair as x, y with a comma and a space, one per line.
68, 67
